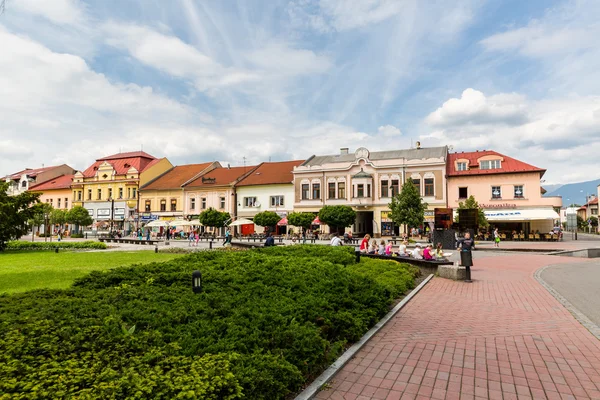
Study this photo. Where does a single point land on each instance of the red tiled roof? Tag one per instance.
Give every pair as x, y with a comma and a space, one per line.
221, 176
122, 162
31, 172
508, 164
271, 173
61, 182
176, 176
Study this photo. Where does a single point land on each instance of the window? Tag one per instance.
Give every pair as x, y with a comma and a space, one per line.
120, 193
99, 194
128, 193
110, 193
57, 203
519, 193
147, 205
429, 187
341, 190
222, 202
463, 193
461, 166
360, 190
203, 201
496, 192
417, 183
276, 201
24, 184
368, 190
305, 190
248, 202
489, 164
173, 204
594, 211
395, 188
331, 190
134, 192
79, 195
192, 204
163, 205
89, 194
316, 191
51, 201
66, 202
384, 188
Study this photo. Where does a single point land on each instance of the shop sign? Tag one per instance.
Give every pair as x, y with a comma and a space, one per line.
429, 215
208, 180
503, 214
499, 205
119, 211
386, 216
90, 212
146, 216
103, 213
282, 214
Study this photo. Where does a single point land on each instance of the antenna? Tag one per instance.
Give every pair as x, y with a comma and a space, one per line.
244, 158
269, 158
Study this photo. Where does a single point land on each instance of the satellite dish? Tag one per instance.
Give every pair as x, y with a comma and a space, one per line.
257, 204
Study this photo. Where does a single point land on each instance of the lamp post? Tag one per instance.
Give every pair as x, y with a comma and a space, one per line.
197, 281
46, 227
112, 213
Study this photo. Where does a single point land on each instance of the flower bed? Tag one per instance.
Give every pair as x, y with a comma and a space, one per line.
266, 322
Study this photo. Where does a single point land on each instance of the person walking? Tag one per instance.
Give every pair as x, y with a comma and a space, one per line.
466, 246
227, 237
303, 236
496, 238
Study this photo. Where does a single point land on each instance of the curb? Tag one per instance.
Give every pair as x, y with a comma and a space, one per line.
579, 316
322, 379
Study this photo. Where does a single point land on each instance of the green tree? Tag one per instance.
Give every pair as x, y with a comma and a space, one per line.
301, 219
214, 218
337, 216
407, 206
79, 216
58, 217
594, 221
15, 212
581, 223
471, 203
266, 218
40, 210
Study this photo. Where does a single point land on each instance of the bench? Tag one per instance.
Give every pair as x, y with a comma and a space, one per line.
242, 245
127, 240
426, 266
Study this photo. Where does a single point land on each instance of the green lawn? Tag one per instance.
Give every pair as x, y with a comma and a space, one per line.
22, 271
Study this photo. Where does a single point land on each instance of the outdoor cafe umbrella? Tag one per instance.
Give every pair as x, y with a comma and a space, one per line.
158, 223
316, 221
283, 221
183, 222
241, 221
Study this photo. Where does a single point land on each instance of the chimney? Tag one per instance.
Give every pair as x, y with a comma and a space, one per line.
418, 145
343, 150
228, 166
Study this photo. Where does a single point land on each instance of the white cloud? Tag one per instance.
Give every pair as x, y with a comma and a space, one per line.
280, 58
389, 131
70, 12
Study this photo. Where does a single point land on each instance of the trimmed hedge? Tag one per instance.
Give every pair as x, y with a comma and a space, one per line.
266, 322
25, 245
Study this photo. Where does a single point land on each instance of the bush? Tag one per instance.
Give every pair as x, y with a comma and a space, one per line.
266, 321
25, 245
77, 235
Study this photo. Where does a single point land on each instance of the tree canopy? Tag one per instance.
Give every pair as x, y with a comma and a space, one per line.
15, 212
266, 218
302, 219
471, 203
214, 218
337, 216
79, 216
407, 206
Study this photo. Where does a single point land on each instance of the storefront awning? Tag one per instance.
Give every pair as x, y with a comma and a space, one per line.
521, 215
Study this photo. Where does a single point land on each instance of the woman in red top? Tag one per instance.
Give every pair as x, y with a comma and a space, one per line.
364, 245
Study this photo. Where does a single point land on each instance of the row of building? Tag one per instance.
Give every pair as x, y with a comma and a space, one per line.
131, 189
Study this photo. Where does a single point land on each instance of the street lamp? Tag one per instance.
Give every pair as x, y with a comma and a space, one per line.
196, 281
112, 213
46, 217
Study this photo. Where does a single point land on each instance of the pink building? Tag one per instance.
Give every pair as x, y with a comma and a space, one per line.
509, 190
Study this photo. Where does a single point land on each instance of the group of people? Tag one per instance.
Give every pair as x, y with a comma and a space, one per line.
368, 246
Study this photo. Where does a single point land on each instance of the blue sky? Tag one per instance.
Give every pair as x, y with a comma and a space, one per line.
227, 80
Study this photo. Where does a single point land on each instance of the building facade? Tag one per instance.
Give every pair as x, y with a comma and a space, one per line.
367, 181
216, 189
56, 192
108, 189
162, 197
269, 188
507, 189
22, 181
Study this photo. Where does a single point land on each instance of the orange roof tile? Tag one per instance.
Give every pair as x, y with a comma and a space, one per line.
61, 182
221, 176
176, 176
271, 173
508, 165
122, 162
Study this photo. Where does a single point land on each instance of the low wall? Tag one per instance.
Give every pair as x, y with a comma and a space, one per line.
425, 266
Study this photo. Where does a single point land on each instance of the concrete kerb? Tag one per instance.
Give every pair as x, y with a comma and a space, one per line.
579, 316
329, 373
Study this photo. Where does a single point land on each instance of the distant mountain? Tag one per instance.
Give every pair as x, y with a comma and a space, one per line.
552, 188
574, 192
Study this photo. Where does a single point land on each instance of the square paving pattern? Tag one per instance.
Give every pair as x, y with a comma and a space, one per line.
501, 337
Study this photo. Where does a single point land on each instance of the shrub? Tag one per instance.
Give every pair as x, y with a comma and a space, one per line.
25, 245
266, 321
77, 235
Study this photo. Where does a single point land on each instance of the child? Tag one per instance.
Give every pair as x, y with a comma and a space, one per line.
382, 247
373, 247
439, 252
388, 248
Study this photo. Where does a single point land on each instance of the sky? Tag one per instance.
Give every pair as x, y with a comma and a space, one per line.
252, 81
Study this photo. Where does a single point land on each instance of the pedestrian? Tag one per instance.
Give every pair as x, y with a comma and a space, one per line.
335, 240
303, 236
147, 234
466, 256
270, 240
227, 237
191, 238
496, 238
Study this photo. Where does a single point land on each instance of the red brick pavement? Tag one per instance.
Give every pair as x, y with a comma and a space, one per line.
501, 337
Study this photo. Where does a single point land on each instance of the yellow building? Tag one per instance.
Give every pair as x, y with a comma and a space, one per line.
162, 197
108, 189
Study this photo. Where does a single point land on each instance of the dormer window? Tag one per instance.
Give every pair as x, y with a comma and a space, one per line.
127, 165
490, 164
105, 176
461, 166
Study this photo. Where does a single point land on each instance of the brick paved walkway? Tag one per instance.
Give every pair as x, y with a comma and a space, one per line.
501, 337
